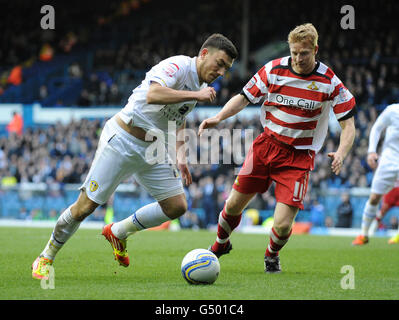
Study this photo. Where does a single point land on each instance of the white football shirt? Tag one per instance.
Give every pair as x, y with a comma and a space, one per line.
179, 73
389, 120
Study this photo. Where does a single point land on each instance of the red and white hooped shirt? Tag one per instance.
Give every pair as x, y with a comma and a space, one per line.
296, 107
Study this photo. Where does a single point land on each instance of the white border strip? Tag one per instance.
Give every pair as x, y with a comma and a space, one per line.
46, 224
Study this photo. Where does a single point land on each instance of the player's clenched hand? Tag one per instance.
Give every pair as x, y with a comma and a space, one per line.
337, 162
185, 173
372, 158
208, 123
207, 94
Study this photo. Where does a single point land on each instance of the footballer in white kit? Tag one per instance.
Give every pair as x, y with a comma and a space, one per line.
121, 155
168, 93
387, 165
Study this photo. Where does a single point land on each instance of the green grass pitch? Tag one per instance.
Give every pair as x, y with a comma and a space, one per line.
85, 268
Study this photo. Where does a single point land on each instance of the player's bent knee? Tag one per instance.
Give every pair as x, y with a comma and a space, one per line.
237, 202
375, 199
283, 229
174, 207
232, 207
176, 211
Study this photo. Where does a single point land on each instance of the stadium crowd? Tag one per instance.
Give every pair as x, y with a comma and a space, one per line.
121, 51
61, 154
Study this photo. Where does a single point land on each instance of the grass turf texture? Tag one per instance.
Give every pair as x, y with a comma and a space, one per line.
85, 268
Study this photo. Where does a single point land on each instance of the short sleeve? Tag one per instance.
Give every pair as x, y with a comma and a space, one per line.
256, 88
342, 99
167, 73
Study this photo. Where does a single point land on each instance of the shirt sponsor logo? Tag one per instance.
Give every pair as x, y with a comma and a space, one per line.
295, 102
184, 109
176, 113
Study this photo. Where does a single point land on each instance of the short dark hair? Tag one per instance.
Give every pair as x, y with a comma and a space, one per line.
220, 42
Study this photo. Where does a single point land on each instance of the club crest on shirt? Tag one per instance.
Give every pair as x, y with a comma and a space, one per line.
313, 86
93, 186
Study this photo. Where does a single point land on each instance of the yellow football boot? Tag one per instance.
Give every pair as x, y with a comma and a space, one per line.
394, 239
40, 268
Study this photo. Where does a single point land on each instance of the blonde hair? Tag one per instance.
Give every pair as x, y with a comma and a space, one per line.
304, 32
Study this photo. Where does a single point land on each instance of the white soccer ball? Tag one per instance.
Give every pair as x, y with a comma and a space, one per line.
200, 266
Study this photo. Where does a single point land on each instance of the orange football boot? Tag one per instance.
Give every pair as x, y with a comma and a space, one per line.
360, 240
118, 245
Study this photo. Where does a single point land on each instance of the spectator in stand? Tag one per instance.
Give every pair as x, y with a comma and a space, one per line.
344, 212
317, 213
16, 124
393, 223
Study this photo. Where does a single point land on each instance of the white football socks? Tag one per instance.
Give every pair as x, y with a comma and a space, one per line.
146, 217
65, 227
369, 214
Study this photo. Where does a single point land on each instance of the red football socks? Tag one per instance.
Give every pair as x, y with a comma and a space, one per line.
276, 243
227, 223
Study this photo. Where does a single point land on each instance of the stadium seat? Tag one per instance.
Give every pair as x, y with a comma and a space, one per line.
54, 203
35, 202
9, 209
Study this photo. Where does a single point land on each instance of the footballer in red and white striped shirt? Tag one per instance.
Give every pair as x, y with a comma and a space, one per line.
297, 93
296, 107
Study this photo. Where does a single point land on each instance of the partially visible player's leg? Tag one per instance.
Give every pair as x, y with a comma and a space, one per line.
385, 207
390, 200
369, 214
393, 201
229, 219
394, 239
383, 181
377, 223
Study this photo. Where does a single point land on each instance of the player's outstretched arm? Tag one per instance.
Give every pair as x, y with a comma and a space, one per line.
345, 144
158, 94
232, 107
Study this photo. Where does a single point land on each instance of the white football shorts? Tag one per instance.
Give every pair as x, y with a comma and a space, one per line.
386, 175
119, 155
